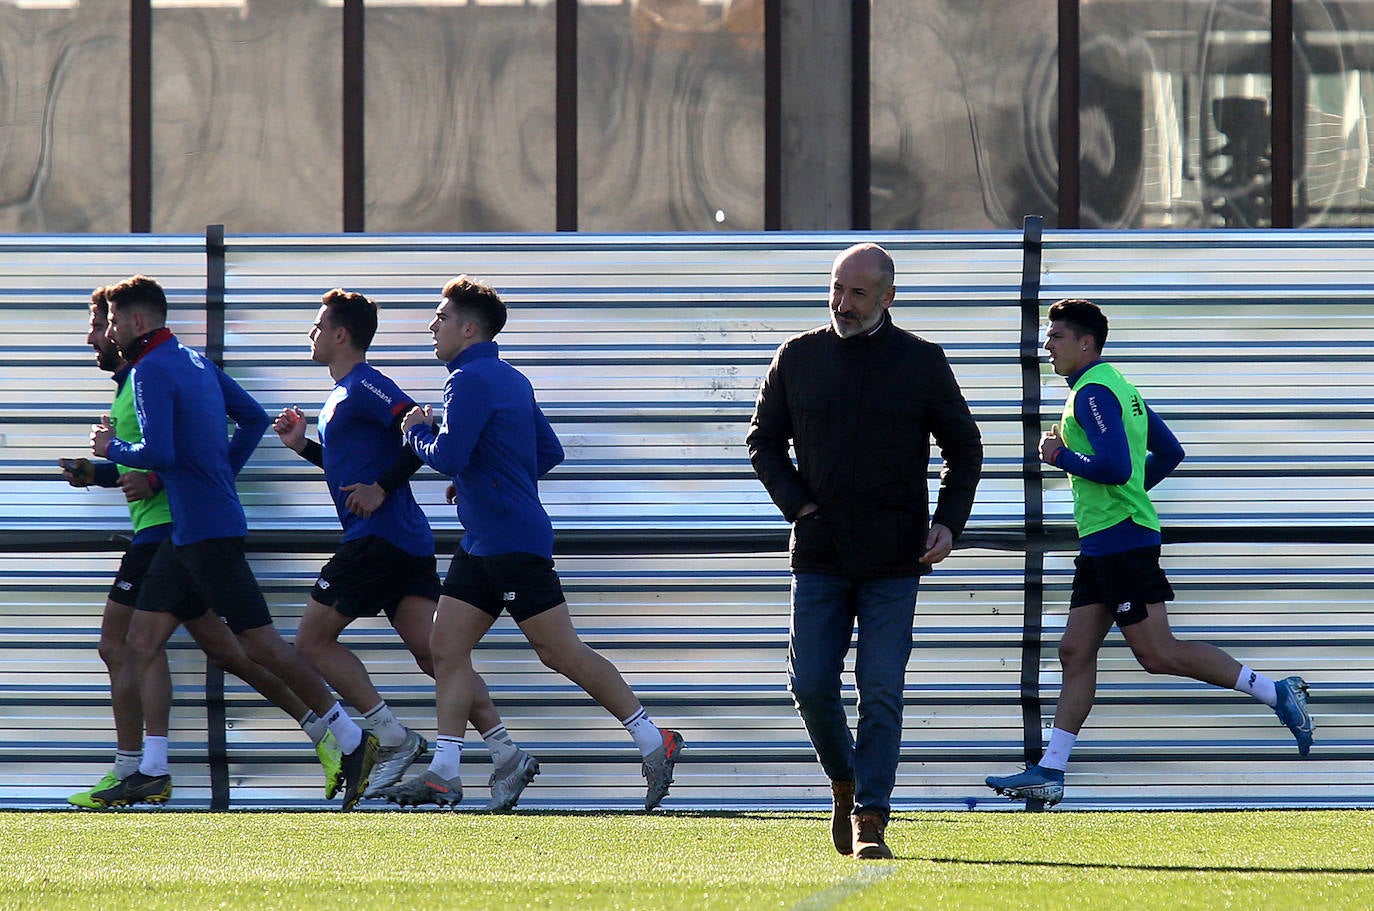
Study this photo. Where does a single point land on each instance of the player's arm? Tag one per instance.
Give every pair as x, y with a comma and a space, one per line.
407, 462
1164, 452
250, 420
549, 451
1099, 414
448, 449
153, 405
769, 439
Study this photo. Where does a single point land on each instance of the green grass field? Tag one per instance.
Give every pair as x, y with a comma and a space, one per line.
157, 860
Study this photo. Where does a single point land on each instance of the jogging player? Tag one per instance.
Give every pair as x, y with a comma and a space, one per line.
495, 444
152, 521
183, 403
1115, 448
385, 563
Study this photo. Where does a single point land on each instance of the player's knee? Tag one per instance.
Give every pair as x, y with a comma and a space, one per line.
1075, 654
1155, 660
309, 646
114, 652
552, 657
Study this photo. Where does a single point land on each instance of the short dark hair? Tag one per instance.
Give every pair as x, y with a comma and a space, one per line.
141, 292
1083, 317
98, 302
354, 312
480, 301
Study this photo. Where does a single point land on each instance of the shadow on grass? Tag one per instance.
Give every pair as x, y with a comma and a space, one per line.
1151, 868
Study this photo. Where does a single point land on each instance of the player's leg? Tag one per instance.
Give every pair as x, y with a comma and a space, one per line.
226, 584
1087, 626
148, 633
512, 768
1159, 652
458, 627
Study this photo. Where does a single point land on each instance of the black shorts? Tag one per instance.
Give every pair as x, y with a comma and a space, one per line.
133, 566
523, 584
213, 574
1124, 582
371, 575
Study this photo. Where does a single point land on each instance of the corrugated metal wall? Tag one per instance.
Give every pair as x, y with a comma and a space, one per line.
646, 353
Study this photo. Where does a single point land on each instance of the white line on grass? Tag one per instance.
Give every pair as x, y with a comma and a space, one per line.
829, 898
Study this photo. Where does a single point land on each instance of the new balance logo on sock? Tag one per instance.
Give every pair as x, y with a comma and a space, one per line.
322, 583
1252, 679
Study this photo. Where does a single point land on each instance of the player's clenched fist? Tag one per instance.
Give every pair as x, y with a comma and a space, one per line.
290, 428
417, 415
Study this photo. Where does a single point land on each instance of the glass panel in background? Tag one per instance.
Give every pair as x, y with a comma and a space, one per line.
460, 117
1333, 95
64, 107
1174, 114
670, 115
964, 100
247, 120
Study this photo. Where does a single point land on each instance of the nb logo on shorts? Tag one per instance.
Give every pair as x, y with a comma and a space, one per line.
1124, 608
322, 583
507, 596
124, 585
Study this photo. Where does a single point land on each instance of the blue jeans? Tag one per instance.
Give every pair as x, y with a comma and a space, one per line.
824, 610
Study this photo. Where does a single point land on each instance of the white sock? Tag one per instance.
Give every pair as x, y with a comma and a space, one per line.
448, 757
1257, 685
154, 756
314, 727
389, 731
126, 763
1057, 753
646, 734
345, 730
502, 748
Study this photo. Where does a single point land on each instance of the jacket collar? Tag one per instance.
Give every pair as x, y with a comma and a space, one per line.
145, 343
474, 352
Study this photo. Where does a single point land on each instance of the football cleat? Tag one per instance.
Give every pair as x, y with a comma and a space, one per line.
137, 788
658, 768
84, 798
508, 781
426, 788
1292, 711
392, 763
1034, 782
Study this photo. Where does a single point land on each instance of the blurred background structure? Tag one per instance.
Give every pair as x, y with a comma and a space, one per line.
319, 116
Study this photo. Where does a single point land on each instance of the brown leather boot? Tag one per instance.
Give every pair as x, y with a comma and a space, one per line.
869, 827
841, 828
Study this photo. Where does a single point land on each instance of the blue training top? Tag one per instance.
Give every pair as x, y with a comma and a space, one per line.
495, 444
359, 430
182, 400
1099, 414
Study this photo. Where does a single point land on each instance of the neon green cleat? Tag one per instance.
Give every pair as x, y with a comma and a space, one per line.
84, 798
331, 757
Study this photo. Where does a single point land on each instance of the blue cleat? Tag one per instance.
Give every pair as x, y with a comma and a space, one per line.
1032, 783
1292, 711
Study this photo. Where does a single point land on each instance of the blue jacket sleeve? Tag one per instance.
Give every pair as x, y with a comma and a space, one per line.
1164, 450
450, 449
153, 402
550, 451
250, 418
1099, 414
